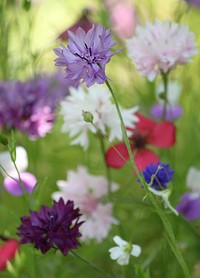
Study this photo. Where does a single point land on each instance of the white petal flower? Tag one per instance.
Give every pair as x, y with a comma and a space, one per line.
8, 165
122, 252
164, 194
193, 180
97, 101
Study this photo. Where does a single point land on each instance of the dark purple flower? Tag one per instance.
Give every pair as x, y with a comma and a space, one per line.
87, 54
172, 111
163, 174
30, 106
15, 188
56, 227
189, 206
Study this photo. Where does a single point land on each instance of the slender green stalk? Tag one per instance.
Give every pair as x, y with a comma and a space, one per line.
165, 83
90, 265
164, 219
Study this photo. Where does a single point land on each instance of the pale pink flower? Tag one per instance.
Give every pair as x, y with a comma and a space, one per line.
161, 46
86, 191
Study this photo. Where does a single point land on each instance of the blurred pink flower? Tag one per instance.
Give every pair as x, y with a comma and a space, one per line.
123, 18
86, 191
161, 46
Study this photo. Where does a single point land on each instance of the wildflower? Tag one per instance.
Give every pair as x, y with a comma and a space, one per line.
158, 175
173, 110
97, 101
189, 204
147, 131
56, 227
87, 54
84, 22
123, 18
7, 252
160, 47
123, 251
87, 190
14, 186
193, 2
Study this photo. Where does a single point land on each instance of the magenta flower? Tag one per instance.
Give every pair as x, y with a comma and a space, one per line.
14, 187
56, 227
87, 54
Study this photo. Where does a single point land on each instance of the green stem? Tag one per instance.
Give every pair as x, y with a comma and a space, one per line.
90, 265
108, 174
165, 83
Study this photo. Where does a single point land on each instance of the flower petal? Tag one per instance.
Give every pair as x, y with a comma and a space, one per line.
144, 157
113, 159
136, 251
115, 252
163, 135
119, 241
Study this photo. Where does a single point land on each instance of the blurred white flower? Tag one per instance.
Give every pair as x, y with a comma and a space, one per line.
193, 180
123, 251
8, 165
86, 191
97, 101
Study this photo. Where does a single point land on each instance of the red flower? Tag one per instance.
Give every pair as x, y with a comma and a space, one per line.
7, 252
147, 132
83, 22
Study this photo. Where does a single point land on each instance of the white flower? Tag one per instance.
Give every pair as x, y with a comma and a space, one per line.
161, 46
173, 92
86, 191
97, 101
8, 165
193, 180
164, 194
123, 251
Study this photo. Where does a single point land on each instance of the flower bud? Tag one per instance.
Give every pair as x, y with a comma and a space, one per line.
87, 116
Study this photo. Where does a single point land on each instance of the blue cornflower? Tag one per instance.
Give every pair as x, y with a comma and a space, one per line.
163, 174
86, 55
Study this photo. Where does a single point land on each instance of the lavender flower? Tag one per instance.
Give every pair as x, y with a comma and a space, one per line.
189, 206
163, 174
30, 106
56, 227
172, 112
87, 54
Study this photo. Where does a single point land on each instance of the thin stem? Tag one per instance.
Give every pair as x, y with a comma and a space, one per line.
165, 83
108, 174
90, 265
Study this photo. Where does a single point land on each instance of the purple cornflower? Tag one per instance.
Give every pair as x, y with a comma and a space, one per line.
56, 227
87, 54
30, 106
163, 174
189, 206
172, 112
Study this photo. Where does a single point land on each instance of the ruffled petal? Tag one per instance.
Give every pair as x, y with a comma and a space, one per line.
144, 157
113, 159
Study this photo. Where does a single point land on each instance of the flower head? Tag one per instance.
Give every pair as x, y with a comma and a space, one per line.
97, 101
87, 190
158, 175
87, 54
161, 46
7, 252
189, 204
147, 132
56, 227
123, 251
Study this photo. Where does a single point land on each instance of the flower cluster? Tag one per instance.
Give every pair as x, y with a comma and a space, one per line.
98, 102
87, 54
30, 106
87, 190
159, 47
56, 227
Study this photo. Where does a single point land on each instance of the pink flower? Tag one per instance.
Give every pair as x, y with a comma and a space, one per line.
7, 252
161, 46
86, 191
147, 132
